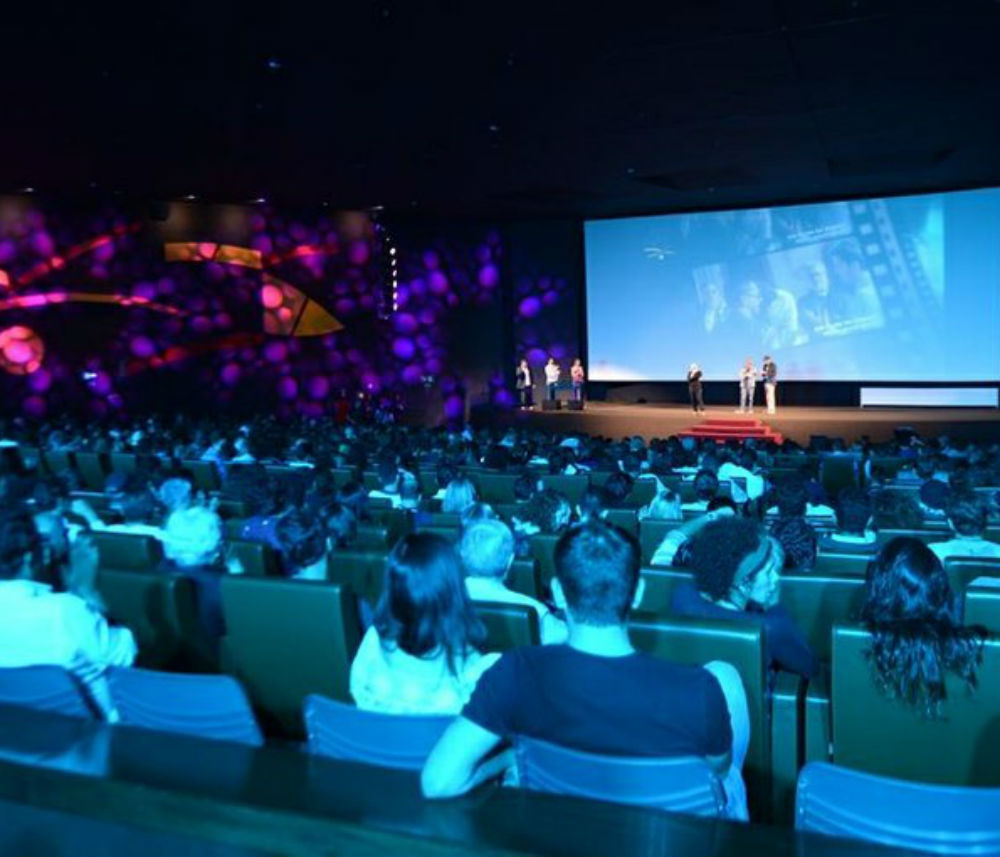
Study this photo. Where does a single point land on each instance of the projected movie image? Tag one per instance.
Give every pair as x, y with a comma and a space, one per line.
880, 289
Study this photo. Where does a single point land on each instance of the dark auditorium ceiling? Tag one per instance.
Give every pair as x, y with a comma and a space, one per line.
501, 108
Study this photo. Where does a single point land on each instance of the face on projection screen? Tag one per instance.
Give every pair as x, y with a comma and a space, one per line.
899, 289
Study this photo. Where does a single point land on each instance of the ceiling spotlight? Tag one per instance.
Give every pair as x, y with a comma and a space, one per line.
274, 64
189, 197
260, 200
27, 190
392, 251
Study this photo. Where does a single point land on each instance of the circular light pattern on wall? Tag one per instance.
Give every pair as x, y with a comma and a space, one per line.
21, 350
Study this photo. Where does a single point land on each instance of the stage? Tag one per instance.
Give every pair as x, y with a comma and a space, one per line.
796, 423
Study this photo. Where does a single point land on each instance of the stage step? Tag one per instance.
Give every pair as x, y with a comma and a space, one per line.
721, 430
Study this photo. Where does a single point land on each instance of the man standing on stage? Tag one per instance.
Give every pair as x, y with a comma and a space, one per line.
694, 388
551, 378
748, 380
769, 372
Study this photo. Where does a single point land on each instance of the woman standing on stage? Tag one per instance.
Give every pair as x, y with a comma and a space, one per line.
748, 380
551, 378
524, 384
694, 388
576, 375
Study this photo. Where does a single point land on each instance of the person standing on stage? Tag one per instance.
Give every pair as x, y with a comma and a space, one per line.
748, 380
576, 375
694, 388
769, 373
524, 384
551, 378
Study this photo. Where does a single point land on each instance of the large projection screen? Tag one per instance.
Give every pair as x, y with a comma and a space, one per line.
900, 289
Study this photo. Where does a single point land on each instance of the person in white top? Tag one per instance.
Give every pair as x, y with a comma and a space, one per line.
967, 517
40, 627
551, 378
421, 654
487, 551
748, 380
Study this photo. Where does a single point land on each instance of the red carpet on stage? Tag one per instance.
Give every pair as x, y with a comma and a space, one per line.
728, 429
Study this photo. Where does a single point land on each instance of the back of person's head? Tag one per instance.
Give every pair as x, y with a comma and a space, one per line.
175, 493
445, 473
597, 566
477, 512
725, 555
706, 485
192, 537
388, 474
616, 489
20, 546
853, 510
934, 494
424, 608
925, 466
798, 539
719, 501
791, 497
665, 506
138, 503
458, 496
548, 510
967, 514
341, 524
487, 548
591, 504
525, 487
301, 540
896, 510
911, 612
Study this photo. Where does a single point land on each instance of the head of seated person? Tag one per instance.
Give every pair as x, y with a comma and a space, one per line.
736, 564
388, 476
616, 489
706, 485
353, 495
487, 549
303, 545
791, 497
917, 638
591, 505
340, 523
665, 506
192, 538
445, 473
967, 515
175, 493
421, 655
477, 512
934, 495
854, 512
138, 503
458, 496
896, 510
798, 542
548, 512
20, 545
497, 458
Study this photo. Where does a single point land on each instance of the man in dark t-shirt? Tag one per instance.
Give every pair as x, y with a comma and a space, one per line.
596, 693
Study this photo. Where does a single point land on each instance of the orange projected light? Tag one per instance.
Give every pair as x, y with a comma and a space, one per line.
209, 251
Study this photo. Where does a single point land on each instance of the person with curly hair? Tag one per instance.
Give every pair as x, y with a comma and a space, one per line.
736, 569
917, 637
798, 541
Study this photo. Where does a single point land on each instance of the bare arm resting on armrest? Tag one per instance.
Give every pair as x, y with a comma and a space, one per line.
458, 761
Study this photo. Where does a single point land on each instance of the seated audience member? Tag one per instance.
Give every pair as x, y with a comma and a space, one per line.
174, 494
967, 519
192, 546
616, 490
487, 551
744, 467
597, 694
854, 533
445, 474
917, 638
303, 546
737, 574
525, 487
390, 479
547, 513
934, 494
138, 506
896, 510
458, 496
354, 496
792, 501
420, 656
591, 506
665, 506
673, 550
42, 627
478, 512
706, 486
798, 542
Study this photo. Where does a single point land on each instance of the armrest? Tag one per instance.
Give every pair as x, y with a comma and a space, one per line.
786, 743
818, 737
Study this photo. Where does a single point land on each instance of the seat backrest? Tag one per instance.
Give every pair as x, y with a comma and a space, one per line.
258, 559
841, 564
962, 570
817, 602
204, 473
397, 522
444, 519
684, 784
738, 642
363, 571
508, 626
90, 466
643, 490
127, 550
209, 706
340, 731
572, 487
57, 461
452, 534
883, 736
926, 535
122, 462
44, 688
651, 533
982, 604
495, 487
837, 472
372, 537
953, 820
289, 638
543, 548
659, 588
627, 519
159, 609
523, 577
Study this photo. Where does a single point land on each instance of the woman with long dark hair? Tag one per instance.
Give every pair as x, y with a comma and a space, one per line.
917, 637
421, 655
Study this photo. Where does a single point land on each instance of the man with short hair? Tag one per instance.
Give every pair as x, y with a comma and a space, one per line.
596, 694
487, 550
967, 518
854, 533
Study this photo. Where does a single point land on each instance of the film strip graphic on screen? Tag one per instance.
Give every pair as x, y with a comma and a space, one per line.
901, 280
